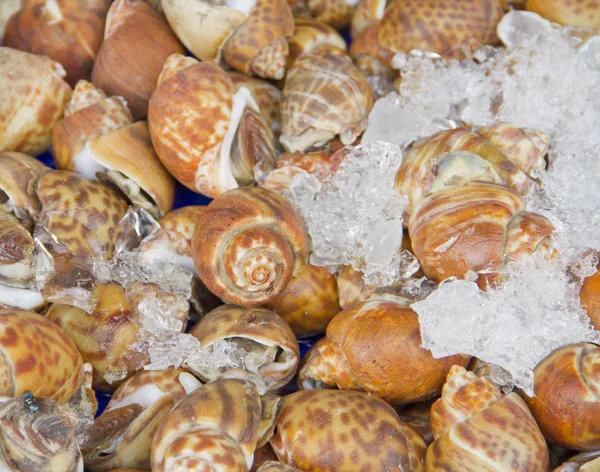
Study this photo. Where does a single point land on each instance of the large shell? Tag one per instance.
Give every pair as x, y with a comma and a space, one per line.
38, 357
324, 95
584, 13
375, 347
266, 344
136, 45
337, 431
34, 96
475, 428
208, 136
248, 245
67, 31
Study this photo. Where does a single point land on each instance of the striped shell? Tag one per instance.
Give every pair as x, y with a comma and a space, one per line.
582, 13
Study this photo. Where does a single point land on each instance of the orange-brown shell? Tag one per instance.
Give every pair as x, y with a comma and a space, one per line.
248, 244
342, 431
590, 298
34, 95
308, 302
566, 404
374, 346
69, 33
136, 45
366, 43
475, 428
583, 13
37, 356
440, 26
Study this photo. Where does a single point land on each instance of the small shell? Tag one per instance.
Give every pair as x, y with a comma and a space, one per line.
208, 136
271, 349
585, 13
34, 97
366, 13
136, 44
67, 31
324, 95
248, 245
312, 37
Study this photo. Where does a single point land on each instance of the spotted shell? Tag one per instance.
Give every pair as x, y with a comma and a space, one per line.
270, 345
440, 26
67, 31
324, 95
374, 346
475, 428
584, 13
37, 356
248, 244
34, 97
345, 431
208, 136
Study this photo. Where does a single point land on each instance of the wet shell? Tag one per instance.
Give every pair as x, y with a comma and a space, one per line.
67, 31
585, 13
329, 430
38, 357
375, 347
248, 244
324, 95
440, 26
136, 45
34, 96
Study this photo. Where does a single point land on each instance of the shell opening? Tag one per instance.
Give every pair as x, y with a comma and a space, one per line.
20, 274
189, 382
137, 195
144, 396
459, 168
86, 165
241, 5
20, 298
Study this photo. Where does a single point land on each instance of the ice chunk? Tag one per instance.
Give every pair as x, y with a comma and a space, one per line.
515, 326
355, 217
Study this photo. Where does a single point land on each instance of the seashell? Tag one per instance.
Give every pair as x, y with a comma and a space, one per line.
351, 287
67, 31
419, 416
7, 9
208, 136
122, 439
36, 435
262, 455
273, 466
308, 302
475, 428
332, 13
590, 297
313, 81
343, 431
261, 342
137, 43
366, 13
217, 426
37, 357
374, 346
249, 36
109, 337
440, 26
34, 97
248, 245
566, 405
584, 14
583, 462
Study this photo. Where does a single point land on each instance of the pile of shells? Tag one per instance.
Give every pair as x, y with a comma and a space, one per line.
268, 89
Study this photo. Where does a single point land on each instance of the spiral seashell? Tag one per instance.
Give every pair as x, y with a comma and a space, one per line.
366, 13
584, 462
38, 357
590, 298
566, 405
313, 81
67, 31
440, 26
585, 14
273, 466
344, 431
137, 43
475, 428
248, 244
375, 347
34, 97
208, 136
314, 37
261, 341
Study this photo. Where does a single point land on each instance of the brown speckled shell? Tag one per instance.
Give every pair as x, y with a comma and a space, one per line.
217, 424
341, 431
308, 302
37, 356
72, 39
34, 95
590, 298
375, 346
136, 45
335, 13
583, 13
478, 430
567, 391
440, 26
248, 244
